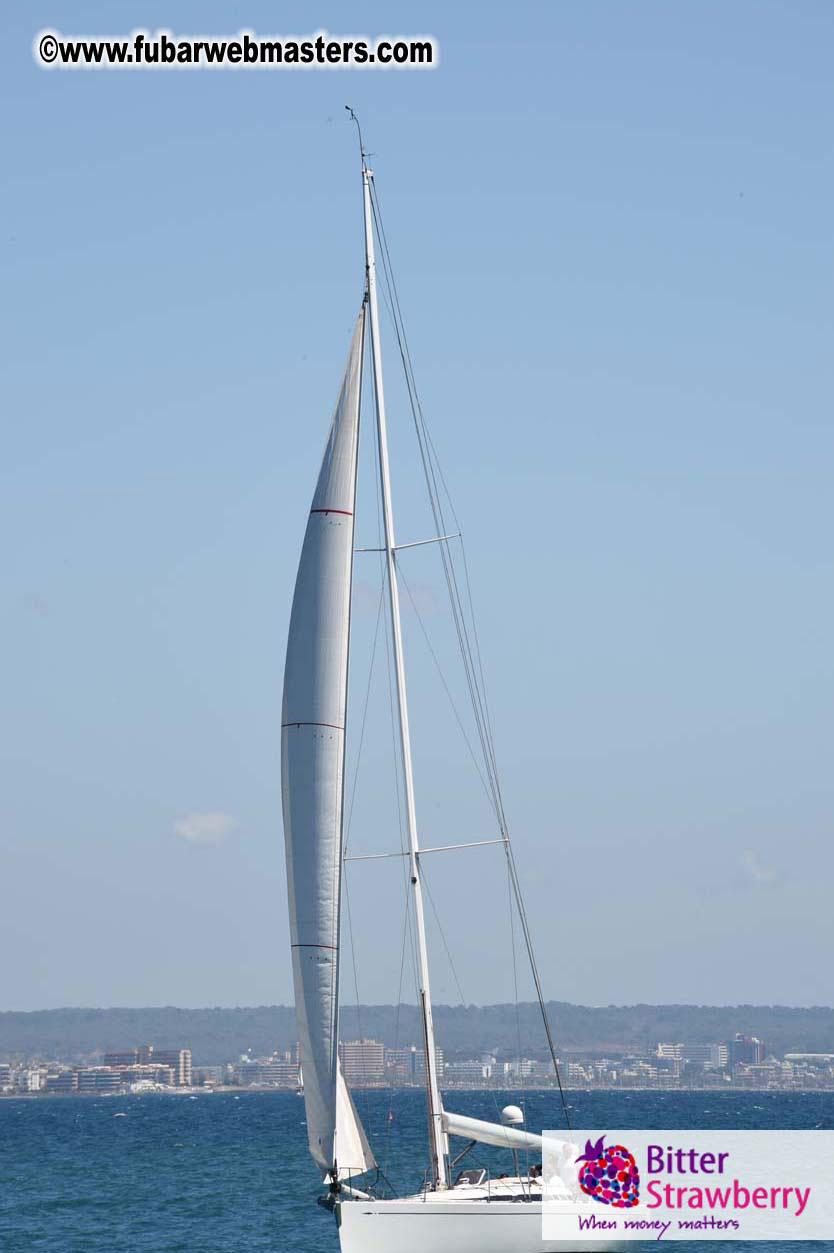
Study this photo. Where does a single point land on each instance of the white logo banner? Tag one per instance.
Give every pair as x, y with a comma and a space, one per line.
688, 1185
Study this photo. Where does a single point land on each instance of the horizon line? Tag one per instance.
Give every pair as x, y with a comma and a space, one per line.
193, 1009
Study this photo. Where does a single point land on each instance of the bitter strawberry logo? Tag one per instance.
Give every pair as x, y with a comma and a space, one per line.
610, 1175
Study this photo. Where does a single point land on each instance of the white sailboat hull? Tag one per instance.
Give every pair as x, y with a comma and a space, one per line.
418, 1225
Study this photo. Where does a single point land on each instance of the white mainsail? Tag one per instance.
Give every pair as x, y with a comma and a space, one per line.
312, 765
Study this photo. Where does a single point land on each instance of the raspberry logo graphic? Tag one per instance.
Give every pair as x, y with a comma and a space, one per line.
609, 1175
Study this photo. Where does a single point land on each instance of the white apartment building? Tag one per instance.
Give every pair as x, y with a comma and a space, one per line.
363, 1061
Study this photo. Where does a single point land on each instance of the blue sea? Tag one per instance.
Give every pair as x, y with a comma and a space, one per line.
227, 1173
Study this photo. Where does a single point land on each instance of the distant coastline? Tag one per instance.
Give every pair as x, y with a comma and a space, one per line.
264, 1089
215, 1035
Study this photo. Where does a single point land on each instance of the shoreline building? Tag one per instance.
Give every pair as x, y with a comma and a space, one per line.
408, 1065
745, 1050
363, 1061
711, 1056
99, 1079
179, 1061
268, 1073
469, 1071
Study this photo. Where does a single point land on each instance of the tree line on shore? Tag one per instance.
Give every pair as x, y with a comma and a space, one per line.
218, 1034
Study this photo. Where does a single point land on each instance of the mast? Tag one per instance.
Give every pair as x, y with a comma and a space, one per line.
437, 1137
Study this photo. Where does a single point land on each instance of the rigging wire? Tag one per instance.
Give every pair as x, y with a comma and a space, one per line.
442, 677
437, 514
472, 661
364, 720
353, 959
397, 780
442, 934
406, 932
383, 576
434, 458
409, 921
433, 471
406, 928
517, 1017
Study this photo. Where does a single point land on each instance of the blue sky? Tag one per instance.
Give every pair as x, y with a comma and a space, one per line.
612, 232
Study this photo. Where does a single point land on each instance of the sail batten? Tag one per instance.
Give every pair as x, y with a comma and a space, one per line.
312, 762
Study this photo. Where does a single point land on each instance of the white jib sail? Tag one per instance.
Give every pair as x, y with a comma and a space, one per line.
312, 767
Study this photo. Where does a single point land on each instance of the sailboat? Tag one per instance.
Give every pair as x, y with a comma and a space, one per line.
470, 1210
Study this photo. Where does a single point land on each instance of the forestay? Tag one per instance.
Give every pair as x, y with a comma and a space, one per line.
312, 750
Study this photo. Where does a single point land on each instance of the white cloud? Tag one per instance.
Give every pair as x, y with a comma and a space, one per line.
756, 870
205, 829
